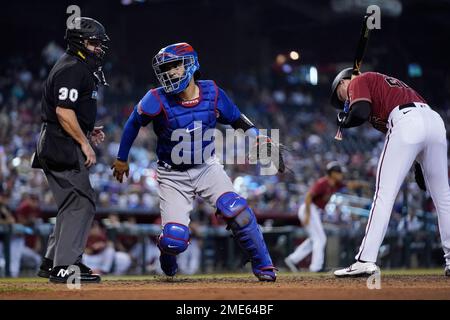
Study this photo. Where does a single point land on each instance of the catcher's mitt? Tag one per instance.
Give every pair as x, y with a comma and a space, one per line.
265, 151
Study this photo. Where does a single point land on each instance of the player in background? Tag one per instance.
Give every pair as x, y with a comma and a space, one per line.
310, 213
414, 132
194, 106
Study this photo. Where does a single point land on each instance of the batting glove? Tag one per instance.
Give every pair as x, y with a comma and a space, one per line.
341, 117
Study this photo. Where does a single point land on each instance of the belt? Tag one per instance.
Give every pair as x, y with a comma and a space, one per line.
409, 105
181, 167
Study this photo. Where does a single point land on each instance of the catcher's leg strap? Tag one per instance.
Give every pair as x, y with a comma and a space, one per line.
174, 238
242, 222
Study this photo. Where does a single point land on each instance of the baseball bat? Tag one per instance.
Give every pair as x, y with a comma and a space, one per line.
357, 62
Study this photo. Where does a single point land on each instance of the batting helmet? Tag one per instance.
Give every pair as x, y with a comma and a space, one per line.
344, 74
175, 54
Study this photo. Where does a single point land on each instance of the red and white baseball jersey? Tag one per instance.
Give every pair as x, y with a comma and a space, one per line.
321, 191
384, 93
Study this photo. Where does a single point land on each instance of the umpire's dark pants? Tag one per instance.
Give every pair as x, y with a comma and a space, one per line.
75, 199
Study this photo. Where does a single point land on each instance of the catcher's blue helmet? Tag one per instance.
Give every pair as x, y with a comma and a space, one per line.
170, 56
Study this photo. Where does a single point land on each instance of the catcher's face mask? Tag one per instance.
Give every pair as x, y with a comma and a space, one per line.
184, 59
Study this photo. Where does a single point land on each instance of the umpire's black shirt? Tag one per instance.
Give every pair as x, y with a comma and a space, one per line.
71, 84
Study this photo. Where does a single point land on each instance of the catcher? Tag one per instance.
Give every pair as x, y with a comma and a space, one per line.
194, 106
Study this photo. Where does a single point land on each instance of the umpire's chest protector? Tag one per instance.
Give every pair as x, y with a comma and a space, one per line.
183, 126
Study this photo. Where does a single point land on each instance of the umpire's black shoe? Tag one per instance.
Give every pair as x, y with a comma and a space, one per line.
47, 265
45, 268
66, 274
83, 268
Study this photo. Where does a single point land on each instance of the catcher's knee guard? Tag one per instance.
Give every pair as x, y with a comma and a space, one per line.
242, 222
174, 238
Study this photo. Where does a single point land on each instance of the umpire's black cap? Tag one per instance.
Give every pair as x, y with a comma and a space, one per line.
344, 74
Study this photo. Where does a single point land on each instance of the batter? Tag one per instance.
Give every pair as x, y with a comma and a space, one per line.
414, 132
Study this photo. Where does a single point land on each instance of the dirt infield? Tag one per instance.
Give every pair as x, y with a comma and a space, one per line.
394, 285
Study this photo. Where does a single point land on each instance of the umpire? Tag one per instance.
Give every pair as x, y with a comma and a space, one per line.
64, 151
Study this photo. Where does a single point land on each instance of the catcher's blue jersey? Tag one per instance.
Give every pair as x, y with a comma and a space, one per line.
194, 117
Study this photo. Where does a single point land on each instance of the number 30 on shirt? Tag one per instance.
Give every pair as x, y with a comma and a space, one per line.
65, 93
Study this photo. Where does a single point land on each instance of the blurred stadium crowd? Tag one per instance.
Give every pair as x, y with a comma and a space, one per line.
307, 126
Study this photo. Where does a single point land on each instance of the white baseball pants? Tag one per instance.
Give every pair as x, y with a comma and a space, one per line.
315, 242
416, 133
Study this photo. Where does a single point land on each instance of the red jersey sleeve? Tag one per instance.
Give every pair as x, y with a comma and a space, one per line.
358, 89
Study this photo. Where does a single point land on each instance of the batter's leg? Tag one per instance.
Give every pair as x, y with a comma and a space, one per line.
398, 155
435, 168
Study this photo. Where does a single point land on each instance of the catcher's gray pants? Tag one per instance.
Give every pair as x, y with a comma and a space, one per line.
75, 199
177, 189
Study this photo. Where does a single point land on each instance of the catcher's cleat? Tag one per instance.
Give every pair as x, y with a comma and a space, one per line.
290, 264
168, 264
67, 274
266, 274
447, 271
358, 269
